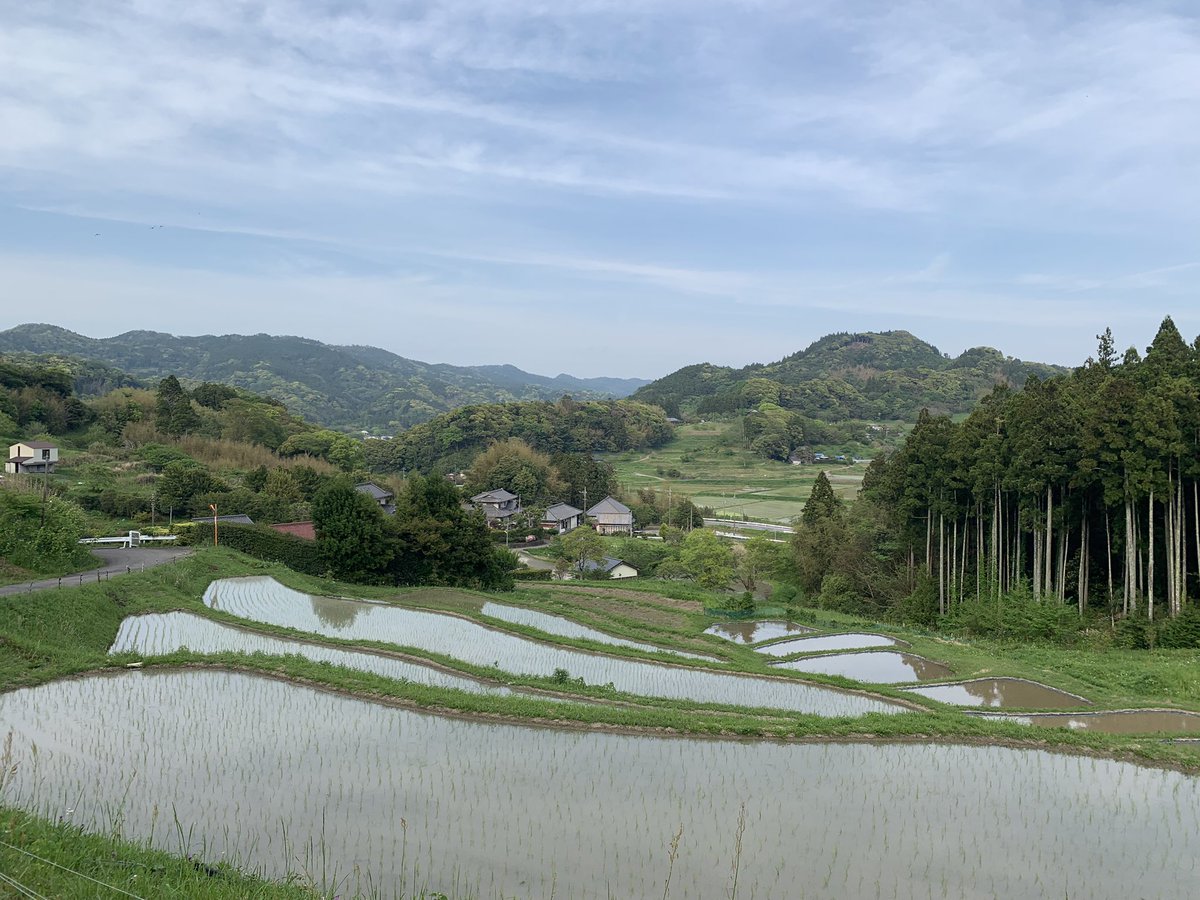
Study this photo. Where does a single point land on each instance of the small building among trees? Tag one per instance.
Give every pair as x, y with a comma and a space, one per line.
32, 457
611, 516
498, 505
561, 517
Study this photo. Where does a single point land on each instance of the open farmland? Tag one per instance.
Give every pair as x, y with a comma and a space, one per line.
716, 471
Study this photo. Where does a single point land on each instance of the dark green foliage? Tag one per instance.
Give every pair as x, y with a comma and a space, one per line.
870, 377
213, 395
342, 450
264, 543
440, 542
182, 482
582, 475
452, 441
340, 387
173, 413
40, 535
159, 456
352, 535
822, 503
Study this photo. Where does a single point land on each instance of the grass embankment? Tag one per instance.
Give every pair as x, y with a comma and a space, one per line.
716, 470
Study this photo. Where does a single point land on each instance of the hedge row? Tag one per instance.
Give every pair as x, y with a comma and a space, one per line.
264, 543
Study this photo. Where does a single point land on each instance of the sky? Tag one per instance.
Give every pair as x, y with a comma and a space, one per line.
604, 187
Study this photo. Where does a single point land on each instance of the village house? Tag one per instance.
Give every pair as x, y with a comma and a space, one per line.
612, 517
382, 496
561, 518
607, 567
31, 456
499, 505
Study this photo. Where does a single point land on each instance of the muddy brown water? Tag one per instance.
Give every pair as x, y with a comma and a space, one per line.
1131, 721
873, 666
1001, 692
366, 798
821, 642
753, 632
265, 600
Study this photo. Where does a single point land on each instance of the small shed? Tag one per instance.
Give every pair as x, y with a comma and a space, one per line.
31, 457
613, 568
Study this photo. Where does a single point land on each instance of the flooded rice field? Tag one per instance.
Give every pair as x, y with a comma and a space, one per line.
753, 632
362, 797
1125, 721
1001, 692
266, 600
821, 642
874, 666
561, 627
157, 634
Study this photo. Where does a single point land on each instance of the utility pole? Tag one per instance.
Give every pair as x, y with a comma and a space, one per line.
213, 507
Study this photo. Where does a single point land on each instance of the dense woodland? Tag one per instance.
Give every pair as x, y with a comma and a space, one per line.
452, 441
879, 376
1080, 491
344, 388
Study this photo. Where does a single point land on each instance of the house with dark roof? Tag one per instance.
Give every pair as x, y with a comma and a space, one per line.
32, 457
382, 496
499, 505
561, 517
611, 516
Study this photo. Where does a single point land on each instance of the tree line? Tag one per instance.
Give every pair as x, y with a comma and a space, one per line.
1082, 490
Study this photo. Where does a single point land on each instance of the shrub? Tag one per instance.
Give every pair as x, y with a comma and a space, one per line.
262, 543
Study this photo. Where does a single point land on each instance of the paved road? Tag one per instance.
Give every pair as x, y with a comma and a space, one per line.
750, 526
116, 561
534, 563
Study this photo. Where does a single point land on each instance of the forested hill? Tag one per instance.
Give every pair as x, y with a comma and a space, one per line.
874, 375
340, 387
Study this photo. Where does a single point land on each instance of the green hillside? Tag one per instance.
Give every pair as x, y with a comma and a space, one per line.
889, 375
348, 388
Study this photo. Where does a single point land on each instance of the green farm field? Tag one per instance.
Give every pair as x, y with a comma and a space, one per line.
717, 472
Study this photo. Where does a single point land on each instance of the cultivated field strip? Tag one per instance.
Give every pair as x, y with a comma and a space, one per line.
265, 600
280, 777
158, 634
822, 642
561, 627
1017, 693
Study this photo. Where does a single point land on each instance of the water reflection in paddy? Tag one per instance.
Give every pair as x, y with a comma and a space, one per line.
266, 600
159, 634
1010, 692
753, 632
561, 627
415, 801
1132, 721
878, 667
850, 641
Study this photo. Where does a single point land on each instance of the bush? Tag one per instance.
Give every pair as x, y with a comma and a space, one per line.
838, 593
1182, 633
262, 543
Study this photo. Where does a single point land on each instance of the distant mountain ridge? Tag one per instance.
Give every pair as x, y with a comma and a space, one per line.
849, 375
348, 387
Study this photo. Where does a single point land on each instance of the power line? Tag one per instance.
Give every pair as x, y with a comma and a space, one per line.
71, 871
22, 889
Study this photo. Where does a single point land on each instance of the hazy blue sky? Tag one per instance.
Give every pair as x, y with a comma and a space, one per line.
610, 187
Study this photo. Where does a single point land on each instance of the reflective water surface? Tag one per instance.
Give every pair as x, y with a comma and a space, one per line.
818, 643
1010, 692
1131, 721
753, 632
562, 627
157, 634
266, 600
361, 796
879, 667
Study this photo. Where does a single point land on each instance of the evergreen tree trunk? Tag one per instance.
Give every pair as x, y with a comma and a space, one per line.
1048, 545
1150, 558
1108, 555
942, 564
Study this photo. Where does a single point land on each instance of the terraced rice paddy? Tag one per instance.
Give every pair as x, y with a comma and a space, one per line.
1001, 692
560, 627
267, 601
876, 667
754, 632
158, 634
822, 642
1126, 721
377, 798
